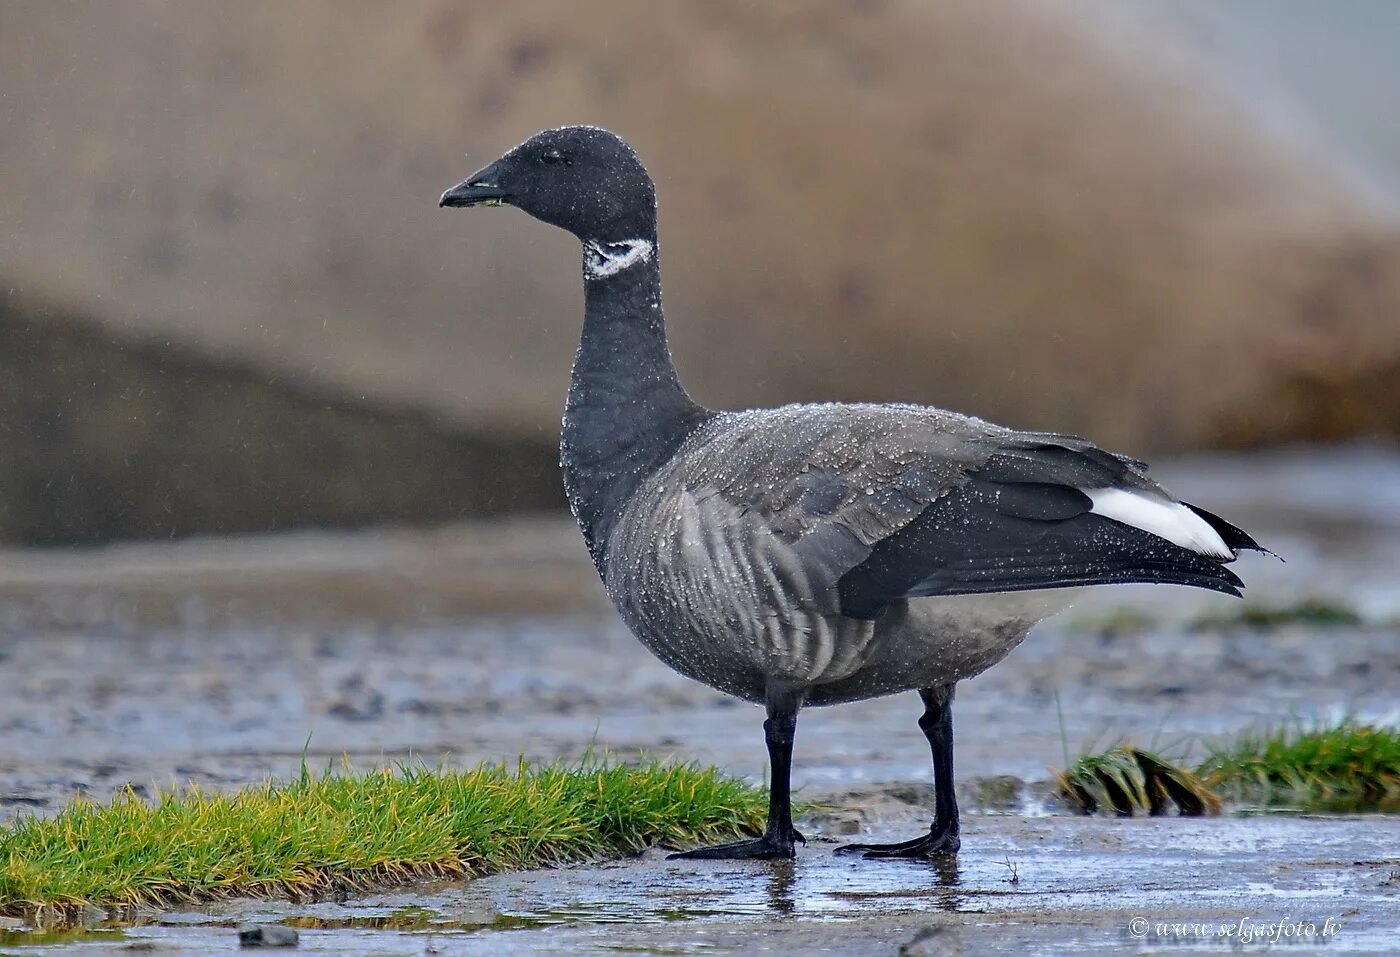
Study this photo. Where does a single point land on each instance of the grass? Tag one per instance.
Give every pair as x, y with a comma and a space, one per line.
1311, 612
1345, 766
1125, 780
1340, 767
336, 831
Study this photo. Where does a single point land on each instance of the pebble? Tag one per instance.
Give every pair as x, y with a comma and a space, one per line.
267, 935
936, 941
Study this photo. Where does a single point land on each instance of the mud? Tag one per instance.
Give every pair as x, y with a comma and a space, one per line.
224, 662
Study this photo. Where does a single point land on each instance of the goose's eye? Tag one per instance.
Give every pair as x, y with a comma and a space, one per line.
553, 158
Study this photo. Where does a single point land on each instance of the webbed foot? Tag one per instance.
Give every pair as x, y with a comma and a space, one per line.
766, 848
933, 844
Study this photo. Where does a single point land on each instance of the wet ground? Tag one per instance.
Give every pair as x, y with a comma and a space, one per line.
217, 661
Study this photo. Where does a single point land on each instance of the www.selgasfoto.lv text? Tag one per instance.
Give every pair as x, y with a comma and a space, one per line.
1242, 930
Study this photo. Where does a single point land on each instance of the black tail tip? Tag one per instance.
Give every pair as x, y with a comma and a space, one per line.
1235, 538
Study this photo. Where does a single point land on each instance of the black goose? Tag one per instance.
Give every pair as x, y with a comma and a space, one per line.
815, 554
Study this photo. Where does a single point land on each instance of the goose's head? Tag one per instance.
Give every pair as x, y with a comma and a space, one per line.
580, 178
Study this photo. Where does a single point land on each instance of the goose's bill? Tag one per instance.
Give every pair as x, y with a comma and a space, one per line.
474, 192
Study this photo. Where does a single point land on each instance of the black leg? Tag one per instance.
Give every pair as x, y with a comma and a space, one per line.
779, 838
942, 838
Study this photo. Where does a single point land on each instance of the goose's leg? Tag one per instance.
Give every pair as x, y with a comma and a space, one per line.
942, 838
779, 838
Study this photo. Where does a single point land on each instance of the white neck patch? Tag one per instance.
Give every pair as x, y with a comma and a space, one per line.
601, 260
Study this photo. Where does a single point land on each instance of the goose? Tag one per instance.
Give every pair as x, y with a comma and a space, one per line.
817, 554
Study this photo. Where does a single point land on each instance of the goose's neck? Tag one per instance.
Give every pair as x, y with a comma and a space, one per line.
627, 412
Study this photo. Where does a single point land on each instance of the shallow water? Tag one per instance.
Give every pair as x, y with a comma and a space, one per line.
214, 662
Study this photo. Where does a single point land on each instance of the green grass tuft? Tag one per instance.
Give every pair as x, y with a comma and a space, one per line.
1125, 780
337, 831
1340, 767
1312, 612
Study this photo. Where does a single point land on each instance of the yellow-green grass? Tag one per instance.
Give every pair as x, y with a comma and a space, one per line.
1343, 766
1125, 780
339, 831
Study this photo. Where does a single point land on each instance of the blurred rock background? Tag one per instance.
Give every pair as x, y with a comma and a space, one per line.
228, 301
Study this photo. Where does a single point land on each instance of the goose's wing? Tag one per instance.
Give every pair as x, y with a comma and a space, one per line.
1046, 512
869, 505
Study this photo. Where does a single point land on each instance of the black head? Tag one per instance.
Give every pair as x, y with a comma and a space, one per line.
580, 178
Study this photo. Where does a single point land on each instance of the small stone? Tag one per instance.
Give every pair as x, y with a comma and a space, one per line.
935, 941
267, 935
